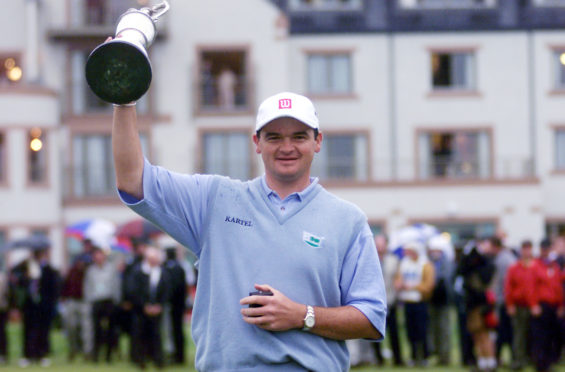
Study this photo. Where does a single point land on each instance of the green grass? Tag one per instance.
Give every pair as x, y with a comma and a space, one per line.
60, 363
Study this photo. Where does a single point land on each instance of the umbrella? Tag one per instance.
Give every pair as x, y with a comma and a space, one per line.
35, 242
139, 229
418, 232
99, 230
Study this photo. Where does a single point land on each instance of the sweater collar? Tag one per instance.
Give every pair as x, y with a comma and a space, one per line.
300, 195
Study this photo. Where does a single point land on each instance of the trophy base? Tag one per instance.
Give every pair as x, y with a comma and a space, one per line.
118, 72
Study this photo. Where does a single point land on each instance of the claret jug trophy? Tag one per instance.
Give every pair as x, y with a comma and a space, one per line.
119, 71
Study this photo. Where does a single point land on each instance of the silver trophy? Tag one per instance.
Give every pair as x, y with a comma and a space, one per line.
119, 70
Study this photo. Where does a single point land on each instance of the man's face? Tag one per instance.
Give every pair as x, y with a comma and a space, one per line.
287, 147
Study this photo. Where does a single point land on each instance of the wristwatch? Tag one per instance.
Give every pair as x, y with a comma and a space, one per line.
309, 319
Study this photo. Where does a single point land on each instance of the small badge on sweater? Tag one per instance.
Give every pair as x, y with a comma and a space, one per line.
312, 240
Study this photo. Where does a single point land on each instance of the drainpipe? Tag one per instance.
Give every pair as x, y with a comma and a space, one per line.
532, 103
392, 108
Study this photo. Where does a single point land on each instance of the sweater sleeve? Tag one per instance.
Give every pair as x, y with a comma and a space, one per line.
176, 203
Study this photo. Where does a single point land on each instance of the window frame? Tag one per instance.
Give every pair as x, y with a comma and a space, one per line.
558, 130
45, 183
98, 129
472, 88
202, 132
356, 133
454, 131
328, 53
198, 105
18, 57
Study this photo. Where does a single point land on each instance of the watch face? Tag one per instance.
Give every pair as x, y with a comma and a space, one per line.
309, 322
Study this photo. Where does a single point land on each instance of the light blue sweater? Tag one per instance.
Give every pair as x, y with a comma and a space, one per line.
307, 254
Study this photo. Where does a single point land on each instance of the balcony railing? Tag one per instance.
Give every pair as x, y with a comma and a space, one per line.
89, 183
216, 97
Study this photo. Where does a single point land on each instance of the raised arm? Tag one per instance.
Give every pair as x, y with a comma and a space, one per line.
126, 146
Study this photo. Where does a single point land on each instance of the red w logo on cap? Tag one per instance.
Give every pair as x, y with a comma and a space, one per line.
285, 103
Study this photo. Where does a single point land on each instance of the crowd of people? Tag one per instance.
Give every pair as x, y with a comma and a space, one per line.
501, 296
100, 298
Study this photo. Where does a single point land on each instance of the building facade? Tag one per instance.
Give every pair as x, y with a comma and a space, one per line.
445, 112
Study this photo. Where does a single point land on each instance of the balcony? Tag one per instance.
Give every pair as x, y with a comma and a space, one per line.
216, 97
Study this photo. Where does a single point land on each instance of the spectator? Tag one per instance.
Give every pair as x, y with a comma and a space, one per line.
440, 300
414, 283
39, 293
389, 263
149, 297
76, 317
477, 270
102, 292
519, 292
4, 310
548, 305
176, 304
125, 312
504, 258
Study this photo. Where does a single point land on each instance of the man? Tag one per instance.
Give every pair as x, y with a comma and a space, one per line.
504, 258
102, 291
176, 304
150, 293
477, 269
547, 307
389, 264
440, 299
40, 283
414, 283
520, 298
282, 233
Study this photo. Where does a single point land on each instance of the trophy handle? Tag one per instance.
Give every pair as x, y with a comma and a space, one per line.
158, 10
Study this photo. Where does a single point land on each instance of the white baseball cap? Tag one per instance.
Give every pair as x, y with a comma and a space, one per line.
287, 104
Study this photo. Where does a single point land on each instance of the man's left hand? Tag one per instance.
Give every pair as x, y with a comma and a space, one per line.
276, 312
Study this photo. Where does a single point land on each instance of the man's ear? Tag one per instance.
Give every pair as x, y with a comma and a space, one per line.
256, 142
319, 139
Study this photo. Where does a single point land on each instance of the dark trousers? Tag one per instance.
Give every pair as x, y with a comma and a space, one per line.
177, 317
147, 339
3, 338
545, 338
103, 318
36, 324
392, 335
504, 331
466, 344
417, 329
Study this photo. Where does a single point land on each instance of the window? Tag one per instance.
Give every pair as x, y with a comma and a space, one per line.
84, 101
342, 157
3, 157
454, 154
555, 228
10, 70
93, 170
453, 70
329, 73
462, 232
37, 157
227, 154
223, 81
326, 4
560, 149
449, 4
